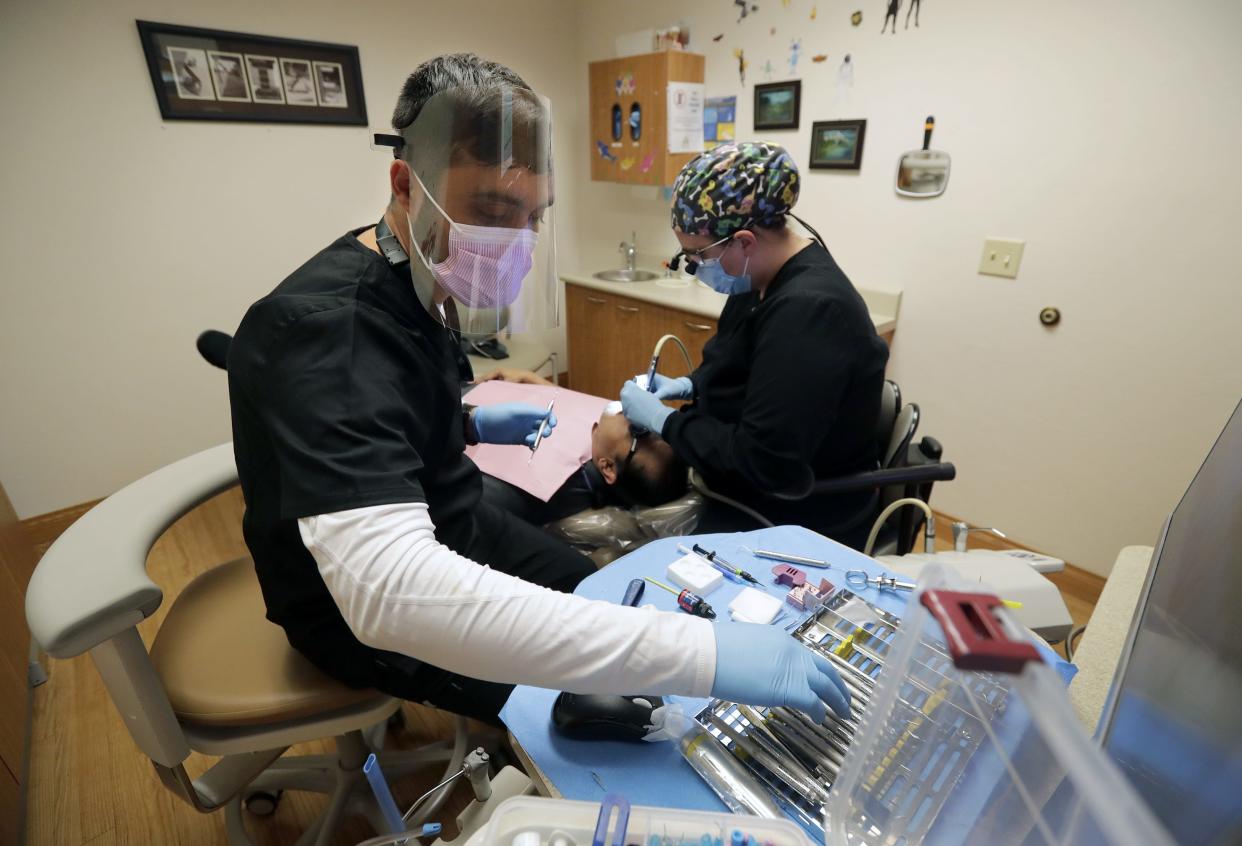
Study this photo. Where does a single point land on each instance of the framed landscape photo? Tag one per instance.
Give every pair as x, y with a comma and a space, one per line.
837, 144
207, 74
777, 104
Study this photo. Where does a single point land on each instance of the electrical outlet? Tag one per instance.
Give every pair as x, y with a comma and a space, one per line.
1001, 257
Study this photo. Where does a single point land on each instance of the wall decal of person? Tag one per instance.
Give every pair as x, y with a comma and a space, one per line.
893, 7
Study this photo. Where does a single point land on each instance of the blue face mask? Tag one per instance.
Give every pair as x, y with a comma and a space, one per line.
715, 277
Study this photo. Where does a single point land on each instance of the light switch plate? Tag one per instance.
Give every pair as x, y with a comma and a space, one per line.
1001, 257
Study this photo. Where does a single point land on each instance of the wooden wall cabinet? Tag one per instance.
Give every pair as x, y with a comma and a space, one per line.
611, 336
637, 85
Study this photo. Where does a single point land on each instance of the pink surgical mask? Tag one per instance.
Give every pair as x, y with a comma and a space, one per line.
485, 265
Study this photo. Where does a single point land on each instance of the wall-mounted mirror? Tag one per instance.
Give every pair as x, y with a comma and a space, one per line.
923, 173
636, 122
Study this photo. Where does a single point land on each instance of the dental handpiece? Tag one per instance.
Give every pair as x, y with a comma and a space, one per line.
651, 372
655, 358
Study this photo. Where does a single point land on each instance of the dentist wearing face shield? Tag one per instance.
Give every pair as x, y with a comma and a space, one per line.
373, 547
789, 388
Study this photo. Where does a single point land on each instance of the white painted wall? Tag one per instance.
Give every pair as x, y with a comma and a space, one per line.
1106, 135
1100, 133
122, 236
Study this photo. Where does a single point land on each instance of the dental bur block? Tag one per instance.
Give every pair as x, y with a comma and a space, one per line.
810, 597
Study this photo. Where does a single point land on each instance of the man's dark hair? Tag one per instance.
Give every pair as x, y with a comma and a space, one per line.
487, 112
643, 485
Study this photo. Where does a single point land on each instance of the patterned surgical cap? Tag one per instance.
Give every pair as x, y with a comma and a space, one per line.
734, 186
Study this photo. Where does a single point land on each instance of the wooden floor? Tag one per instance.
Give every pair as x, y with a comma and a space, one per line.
90, 785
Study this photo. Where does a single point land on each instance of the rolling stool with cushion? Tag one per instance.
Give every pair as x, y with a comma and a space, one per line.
220, 679
907, 471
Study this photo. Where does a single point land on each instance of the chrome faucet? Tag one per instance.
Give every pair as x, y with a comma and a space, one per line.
629, 249
961, 532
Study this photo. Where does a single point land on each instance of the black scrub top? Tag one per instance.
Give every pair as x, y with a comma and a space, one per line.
345, 393
789, 390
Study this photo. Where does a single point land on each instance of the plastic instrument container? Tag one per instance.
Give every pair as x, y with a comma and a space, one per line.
969, 738
577, 819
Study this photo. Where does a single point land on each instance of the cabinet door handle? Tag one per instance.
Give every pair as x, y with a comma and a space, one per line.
628, 309
701, 327
596, 300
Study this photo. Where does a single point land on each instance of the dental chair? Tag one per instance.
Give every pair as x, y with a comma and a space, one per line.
907, 470
219, 678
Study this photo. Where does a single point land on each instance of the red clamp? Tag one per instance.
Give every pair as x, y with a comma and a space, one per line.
975, 637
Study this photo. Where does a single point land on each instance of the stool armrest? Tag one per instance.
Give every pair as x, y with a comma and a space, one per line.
92, 583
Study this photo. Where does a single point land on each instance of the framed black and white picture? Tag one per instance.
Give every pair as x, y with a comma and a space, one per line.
207, 74
777, 104
837, 144
263, 73
228, 76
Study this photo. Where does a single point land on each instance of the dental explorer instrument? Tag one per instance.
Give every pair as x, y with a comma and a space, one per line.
790, 558
539, 435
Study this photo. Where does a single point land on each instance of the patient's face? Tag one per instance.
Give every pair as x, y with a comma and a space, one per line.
610, 443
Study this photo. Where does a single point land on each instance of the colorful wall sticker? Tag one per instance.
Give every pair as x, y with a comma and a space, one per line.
795, 52
740, 55
856, 18
647, 162
604, 152
819, 58
745, 9
627, 163
625, 84
768, 70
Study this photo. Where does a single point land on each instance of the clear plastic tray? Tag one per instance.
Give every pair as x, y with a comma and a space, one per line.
975, 756
647, 826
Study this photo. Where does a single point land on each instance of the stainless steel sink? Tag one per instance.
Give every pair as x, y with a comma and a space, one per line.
626, 275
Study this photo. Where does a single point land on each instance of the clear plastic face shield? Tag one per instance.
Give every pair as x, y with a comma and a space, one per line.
479, 210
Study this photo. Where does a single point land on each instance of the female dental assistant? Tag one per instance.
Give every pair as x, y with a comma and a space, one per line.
363, 514
789, 388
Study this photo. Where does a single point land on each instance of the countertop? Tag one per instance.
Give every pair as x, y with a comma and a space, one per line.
685, 293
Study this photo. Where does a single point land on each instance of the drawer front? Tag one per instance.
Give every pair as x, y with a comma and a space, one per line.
611, 338
588, 315
694, 330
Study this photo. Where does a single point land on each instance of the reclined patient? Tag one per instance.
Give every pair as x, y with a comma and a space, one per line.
592, 459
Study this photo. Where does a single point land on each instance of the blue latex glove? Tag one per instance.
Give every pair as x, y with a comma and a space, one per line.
762, 665
511, 423
674, 389
642, 408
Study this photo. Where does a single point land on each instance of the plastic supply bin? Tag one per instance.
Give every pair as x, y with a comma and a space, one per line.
991, 754
647, 826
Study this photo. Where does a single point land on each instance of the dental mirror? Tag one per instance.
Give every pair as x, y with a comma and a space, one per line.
923, 173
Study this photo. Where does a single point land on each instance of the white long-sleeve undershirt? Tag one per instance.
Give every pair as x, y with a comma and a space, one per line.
400, 589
